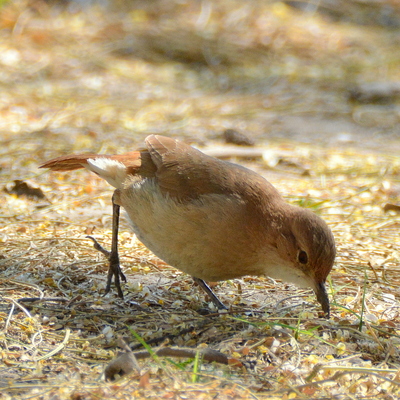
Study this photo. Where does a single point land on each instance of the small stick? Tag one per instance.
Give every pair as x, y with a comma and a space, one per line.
126, 362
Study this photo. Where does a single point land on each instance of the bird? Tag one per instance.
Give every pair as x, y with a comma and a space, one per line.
210, 218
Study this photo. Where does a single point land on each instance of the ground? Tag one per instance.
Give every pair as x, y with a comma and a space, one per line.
299, 82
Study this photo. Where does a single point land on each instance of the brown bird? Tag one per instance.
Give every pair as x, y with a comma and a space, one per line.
212, 219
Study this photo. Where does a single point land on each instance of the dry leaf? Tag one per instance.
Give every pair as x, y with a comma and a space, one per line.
22, 188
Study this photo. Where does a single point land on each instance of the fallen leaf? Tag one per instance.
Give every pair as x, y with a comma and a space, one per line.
22, 188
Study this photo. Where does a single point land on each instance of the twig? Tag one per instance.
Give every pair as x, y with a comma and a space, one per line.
126, 362
9, 317
186, 352
36, 300
19, 306
28, 285
58, 348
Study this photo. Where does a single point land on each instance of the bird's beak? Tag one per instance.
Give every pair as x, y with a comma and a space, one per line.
322, 297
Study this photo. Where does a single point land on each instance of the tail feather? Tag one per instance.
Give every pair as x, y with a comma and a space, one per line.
69, 162
114, 169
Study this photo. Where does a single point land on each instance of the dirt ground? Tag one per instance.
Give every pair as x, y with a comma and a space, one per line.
316, 89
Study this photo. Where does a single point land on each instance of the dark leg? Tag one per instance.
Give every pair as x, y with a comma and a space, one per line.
208, 290
114, 269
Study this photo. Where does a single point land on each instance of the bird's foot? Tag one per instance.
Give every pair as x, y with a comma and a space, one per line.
213, 296
114, 269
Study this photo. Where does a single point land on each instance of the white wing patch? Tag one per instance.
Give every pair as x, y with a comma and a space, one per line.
114, 172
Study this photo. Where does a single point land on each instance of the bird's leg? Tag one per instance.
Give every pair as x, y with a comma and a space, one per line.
212, 295
114, 269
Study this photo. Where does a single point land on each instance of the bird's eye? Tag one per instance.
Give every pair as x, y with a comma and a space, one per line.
302, 257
